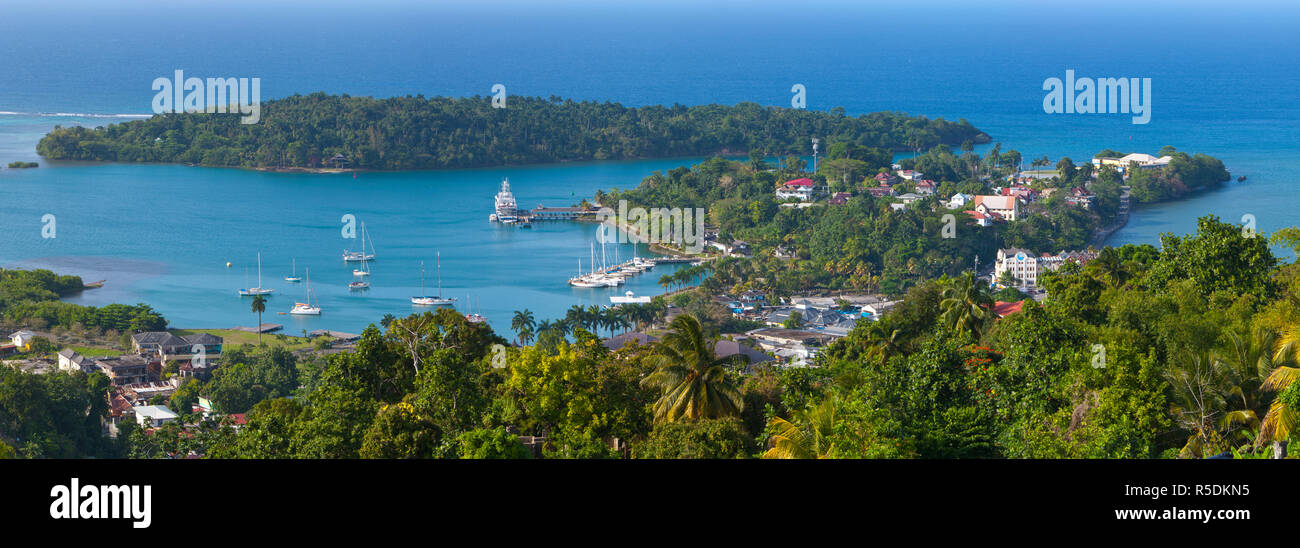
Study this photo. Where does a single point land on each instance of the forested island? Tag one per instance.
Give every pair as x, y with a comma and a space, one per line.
404, 133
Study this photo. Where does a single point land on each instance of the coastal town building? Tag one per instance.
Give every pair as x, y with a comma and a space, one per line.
1006, 207
125, 370
1026, 267
153, 416
1121, 164
908, 174
800, 189
70, 360
959, 200
21, 339
926, 187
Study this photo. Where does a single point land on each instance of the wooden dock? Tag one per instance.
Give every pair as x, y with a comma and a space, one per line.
264, 328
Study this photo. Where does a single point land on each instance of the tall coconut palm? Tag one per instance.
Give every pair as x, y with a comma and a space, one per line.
966, 305
522, 322
807, 436
595, 320
1280, 422
691, 378
259, 306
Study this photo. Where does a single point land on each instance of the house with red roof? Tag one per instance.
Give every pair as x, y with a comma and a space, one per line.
839, 198
1007, 207
926, 187
799, 189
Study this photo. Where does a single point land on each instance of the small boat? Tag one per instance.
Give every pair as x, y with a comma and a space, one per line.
312, 306
355, 286
1240, 179
361, 256
474, 317
259, 290
294, 277
524, 222
424, 300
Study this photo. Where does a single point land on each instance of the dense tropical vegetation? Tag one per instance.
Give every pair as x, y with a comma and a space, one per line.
440, 132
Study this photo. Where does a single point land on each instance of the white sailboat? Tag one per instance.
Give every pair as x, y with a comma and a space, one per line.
293, 278
361, 256
474, 317
259, 290
437, 300
312, 306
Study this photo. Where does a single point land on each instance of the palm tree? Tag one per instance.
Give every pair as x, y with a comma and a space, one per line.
522, 322
966, 305
259, 306
884, 340
691, 378
1279, 422
594, 318
1111, 267
576, 316
1198, 398
1245, 364
617, 318
525, 336
665, 281
807, 437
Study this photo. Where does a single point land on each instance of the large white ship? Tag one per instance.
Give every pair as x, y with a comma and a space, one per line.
507, 210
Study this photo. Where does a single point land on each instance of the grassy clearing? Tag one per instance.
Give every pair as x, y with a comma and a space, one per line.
233, 337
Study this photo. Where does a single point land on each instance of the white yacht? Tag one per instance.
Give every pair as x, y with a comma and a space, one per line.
361, 256
507, 210
424, 300
312, 306
293, 278
259, 290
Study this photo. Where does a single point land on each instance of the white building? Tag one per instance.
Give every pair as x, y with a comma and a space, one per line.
153, 416
70, 360
1144, 161
22, 338
1006, 207
959, 200
799, 189
1026, 266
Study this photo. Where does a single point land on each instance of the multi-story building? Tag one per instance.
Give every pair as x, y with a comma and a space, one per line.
1026, 267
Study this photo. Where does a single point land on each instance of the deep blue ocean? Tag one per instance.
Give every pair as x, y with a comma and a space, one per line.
1225, 82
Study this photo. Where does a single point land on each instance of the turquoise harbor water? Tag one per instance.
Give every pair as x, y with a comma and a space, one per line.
162, 234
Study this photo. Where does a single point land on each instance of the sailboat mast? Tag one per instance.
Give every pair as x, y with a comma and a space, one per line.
439, 256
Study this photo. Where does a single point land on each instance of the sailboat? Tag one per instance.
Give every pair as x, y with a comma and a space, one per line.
294, 277
437, 300
259, 290
363, 282
361, 256
474, 317
312, 306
